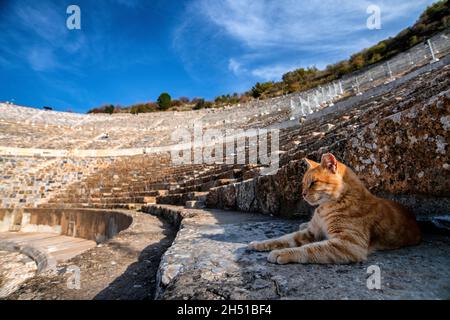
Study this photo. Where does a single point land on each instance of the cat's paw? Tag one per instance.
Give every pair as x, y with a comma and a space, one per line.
257, 245
278, 256
273, 256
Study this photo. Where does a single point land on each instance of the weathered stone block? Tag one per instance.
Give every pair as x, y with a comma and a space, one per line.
246, 197
229, 196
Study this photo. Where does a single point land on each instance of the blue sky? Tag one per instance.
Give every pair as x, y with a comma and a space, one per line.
131, 51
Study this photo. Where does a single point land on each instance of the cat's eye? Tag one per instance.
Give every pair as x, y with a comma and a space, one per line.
312, 183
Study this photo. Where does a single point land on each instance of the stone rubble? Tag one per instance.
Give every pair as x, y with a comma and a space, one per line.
15, 269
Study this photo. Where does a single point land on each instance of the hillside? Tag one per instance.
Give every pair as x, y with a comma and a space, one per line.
433, 20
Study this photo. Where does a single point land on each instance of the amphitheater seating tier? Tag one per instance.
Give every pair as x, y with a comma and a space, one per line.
130, 182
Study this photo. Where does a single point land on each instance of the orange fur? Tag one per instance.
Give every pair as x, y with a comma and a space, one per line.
348, 223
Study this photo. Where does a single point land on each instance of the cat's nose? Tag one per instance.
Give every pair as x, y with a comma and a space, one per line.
304, 193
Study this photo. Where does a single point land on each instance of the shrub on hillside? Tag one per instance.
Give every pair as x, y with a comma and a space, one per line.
143, 108
202, 104
184, 100
176, 103
108, 108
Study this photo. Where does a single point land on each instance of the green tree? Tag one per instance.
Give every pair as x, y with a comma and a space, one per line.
260, 88
164, 101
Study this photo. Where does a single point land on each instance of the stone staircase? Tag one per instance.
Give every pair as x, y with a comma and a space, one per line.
133, 182
347, 129
29, 182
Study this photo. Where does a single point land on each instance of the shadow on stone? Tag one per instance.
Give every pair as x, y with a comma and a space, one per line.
138, 282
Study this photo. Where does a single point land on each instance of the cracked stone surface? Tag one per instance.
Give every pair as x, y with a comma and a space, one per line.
209, 260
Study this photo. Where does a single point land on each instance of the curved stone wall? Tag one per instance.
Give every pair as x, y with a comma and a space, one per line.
96, 225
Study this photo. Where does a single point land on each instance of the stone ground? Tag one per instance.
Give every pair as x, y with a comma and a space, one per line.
121, 268
15, 268
209, 260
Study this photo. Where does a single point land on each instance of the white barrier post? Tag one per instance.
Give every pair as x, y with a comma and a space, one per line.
389, 69
430, 46
411, 61
357, 84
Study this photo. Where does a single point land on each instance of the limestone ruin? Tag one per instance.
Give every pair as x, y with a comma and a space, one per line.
93, 207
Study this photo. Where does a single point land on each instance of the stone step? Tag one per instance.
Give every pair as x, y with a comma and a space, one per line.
128, 206
204, 186
105, 200
138, 188
51, 245
121, 194
198, 196
194, 204
174, 198
223, 182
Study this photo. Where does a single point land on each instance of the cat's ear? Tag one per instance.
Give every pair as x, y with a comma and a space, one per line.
329, 162
311, 164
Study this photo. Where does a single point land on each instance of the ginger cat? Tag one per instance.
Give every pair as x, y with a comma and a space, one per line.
348, 224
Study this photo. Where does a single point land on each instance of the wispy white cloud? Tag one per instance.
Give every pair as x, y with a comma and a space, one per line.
271, 72
42, 19
129, 3
293, 23
36, 33
265, 27
42, 59
235, 67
